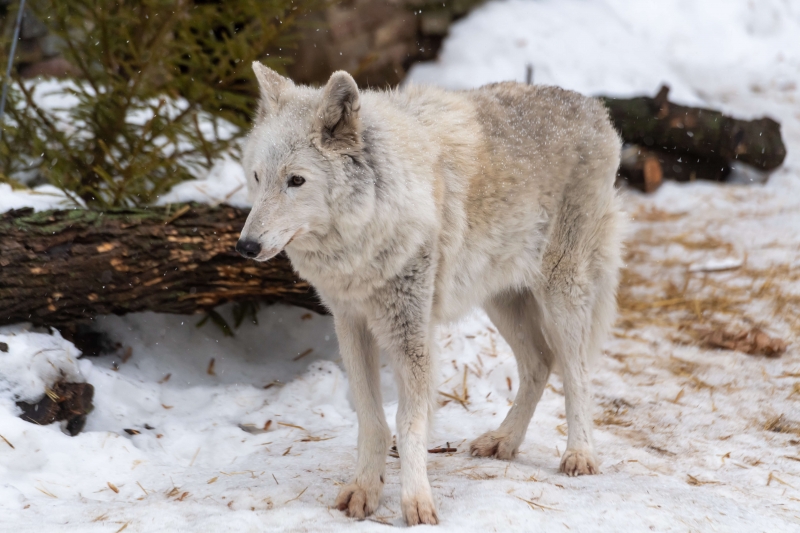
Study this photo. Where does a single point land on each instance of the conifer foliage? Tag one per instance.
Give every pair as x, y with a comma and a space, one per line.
164, 88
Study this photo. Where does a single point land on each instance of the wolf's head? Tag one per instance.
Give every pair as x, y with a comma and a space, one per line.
305, 174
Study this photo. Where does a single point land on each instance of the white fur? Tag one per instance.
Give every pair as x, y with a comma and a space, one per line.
420, 205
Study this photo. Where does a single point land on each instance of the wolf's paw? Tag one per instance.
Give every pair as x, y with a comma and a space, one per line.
494, 443
359, 500
579, 463
419, 509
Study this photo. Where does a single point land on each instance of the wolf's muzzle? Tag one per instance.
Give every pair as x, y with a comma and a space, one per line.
248, 249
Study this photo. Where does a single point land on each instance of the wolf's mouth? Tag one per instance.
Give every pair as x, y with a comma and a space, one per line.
296, 233
266, 255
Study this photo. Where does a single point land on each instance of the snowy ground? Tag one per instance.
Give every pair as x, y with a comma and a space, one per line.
689, 437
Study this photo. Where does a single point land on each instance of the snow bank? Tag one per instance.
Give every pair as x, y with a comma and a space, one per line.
625, 47
40, 198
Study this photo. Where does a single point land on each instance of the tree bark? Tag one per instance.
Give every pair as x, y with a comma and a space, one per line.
65, 267
714, 138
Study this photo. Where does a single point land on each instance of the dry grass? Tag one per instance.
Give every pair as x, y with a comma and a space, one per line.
296, 497
463, 397
537, 506
772, 477
613, 413
691, 480
780, 424
612, 418
653, 214
6, 441
690, 301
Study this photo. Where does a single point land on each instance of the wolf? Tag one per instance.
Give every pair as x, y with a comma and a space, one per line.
408, 208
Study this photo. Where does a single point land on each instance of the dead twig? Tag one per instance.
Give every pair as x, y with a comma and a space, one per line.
296, 497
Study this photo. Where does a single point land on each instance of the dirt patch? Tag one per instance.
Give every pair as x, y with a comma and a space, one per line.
65, 401
753, 342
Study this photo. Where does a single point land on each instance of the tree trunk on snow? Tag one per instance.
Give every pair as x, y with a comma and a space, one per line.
714, 138
59, 268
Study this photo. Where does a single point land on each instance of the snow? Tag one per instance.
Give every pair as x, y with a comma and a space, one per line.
34, 361
624, 47
224, 183
682, 430
713, 265
40, 198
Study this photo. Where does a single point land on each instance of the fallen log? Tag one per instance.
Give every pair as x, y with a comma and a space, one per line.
60, 268
646, 169
716, 139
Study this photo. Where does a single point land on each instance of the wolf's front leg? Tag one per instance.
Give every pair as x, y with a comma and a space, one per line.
362, 495
413, 370
403, 328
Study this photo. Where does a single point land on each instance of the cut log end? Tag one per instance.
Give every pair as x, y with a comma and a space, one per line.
652, 173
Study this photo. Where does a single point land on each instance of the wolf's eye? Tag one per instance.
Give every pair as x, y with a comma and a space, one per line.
296, 181
255, 175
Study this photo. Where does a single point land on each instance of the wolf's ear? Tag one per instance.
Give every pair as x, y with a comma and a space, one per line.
338, 123
271, 85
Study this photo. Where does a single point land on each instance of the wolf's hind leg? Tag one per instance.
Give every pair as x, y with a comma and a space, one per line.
582, 331
517, 317
579, 305
568, 330
362, 495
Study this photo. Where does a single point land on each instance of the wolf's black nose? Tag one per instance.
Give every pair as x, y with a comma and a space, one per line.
249, 249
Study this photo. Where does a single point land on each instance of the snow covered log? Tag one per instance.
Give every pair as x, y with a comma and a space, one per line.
64, 267
709, 135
